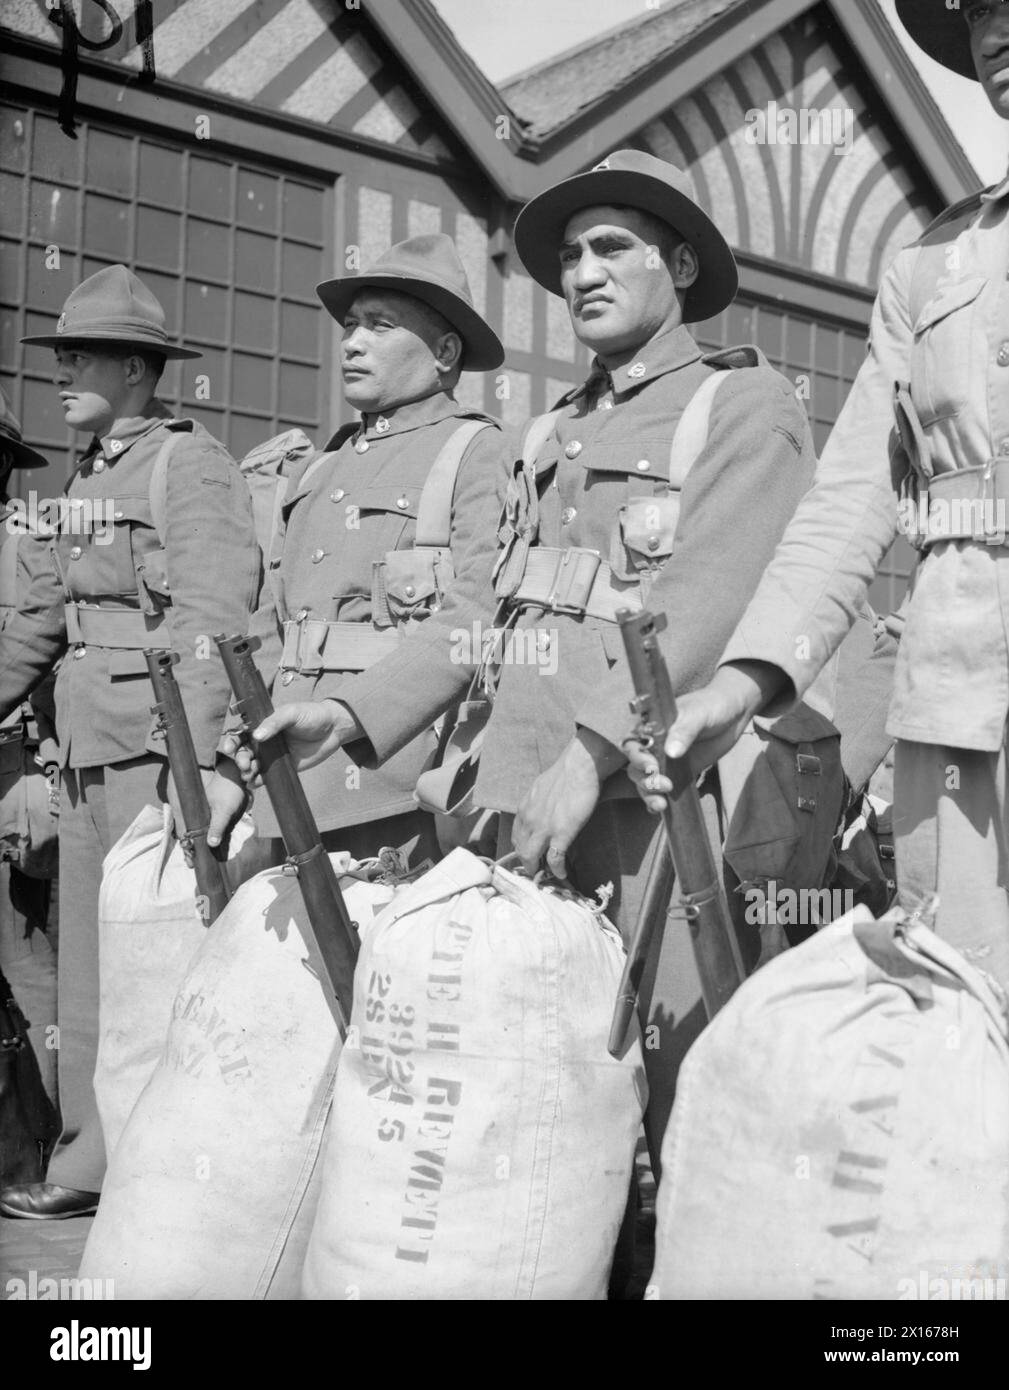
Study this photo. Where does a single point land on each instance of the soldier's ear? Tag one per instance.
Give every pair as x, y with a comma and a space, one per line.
684, 265
135, 367
448, 352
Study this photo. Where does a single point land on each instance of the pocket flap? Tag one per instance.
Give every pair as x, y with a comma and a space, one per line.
137, 508
648, 525
410, 589
800, 725
400, 498
637, 458
950, 297
127, 663
154, 569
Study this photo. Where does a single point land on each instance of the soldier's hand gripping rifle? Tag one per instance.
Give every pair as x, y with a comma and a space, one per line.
686, 847
208, 864
334, 932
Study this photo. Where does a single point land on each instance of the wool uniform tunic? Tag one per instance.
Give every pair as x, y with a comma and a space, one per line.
199, 578
611, 445
609, 448
354, 508
940, 326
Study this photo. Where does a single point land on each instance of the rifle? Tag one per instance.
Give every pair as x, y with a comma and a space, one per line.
685, 848
173, 725
334, 933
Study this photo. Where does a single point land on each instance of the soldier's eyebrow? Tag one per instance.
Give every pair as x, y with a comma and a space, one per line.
621, 234
369, 315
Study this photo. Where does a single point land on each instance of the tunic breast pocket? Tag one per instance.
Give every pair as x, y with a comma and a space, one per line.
644, 539
390, 516
941, 357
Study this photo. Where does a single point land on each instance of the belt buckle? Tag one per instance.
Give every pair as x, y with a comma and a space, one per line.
312, 633
994, 533
574, 575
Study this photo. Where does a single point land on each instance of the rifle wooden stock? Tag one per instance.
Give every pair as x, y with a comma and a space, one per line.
208, 864
700, 896
334, 933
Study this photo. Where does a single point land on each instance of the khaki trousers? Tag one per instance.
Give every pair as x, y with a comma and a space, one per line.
950, 837
97, 804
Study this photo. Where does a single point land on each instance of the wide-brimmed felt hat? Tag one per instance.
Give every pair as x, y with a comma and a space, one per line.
631, 178
427, 267
11, 441
942, 32
113, 306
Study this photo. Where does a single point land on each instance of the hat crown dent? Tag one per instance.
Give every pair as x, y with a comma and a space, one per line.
431, 258
112, 296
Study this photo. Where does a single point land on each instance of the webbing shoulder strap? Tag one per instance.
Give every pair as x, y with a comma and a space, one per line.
692, 431
159, 487
434, 510
537, 432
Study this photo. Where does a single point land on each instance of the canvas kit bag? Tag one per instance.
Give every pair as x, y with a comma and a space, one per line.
205, 1191
482, 1138
149, 929
841, 1128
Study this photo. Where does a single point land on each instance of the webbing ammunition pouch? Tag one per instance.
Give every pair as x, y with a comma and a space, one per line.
571, 580
566, 581
407, 585
960, 504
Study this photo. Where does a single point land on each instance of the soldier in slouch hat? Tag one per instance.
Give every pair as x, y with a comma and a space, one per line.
155, 547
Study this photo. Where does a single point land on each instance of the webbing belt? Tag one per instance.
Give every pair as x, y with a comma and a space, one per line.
574, 580
967, 504
126, 629
313, 645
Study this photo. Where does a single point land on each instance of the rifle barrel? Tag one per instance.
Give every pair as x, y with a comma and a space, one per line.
700, 896
208, 864
329, 920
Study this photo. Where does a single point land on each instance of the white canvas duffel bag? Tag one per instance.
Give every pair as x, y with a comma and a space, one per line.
149, 929
841, 1128
208, 1193
482, 1137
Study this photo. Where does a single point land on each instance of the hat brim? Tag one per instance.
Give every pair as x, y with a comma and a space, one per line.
482, 350
941, 33
55, 340
539, 232
24, 455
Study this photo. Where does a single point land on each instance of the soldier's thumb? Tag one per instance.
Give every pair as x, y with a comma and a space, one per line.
688, 726
274, 723
220, 824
